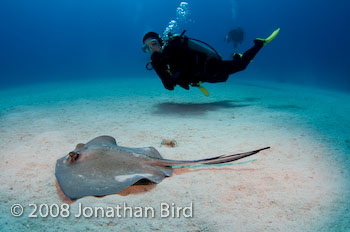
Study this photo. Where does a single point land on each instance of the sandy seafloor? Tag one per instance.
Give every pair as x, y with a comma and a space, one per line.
300, 184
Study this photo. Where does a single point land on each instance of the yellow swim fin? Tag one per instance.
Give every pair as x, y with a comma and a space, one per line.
204, 91
270, 38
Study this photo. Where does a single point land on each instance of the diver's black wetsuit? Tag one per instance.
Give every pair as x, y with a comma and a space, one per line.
184, 62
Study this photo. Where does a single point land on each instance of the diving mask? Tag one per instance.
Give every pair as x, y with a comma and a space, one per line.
149, 46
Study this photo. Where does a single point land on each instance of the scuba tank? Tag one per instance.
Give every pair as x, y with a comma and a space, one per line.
195, 45
192, 44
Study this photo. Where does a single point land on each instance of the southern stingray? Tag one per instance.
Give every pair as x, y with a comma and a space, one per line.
101, 167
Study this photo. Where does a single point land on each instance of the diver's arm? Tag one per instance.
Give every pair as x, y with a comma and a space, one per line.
161, 69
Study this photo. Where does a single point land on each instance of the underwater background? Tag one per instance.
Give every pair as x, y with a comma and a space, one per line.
74, 70
49, 41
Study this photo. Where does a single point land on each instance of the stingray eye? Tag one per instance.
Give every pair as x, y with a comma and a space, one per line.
72, 156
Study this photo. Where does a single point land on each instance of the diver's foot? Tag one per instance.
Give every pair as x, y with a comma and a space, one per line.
237, 56
263, 42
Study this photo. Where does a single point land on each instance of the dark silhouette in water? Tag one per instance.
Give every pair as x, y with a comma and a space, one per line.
235, 36
186, 61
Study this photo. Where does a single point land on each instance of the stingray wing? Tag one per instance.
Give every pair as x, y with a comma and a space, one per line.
107, 173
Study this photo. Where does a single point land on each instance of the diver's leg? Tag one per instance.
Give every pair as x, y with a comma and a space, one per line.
214, 71
218, 70
240, 62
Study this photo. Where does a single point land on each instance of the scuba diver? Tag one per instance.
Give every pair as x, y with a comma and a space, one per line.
185, 61
235, 36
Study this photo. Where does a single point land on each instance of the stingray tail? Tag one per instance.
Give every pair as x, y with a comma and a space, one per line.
214, 160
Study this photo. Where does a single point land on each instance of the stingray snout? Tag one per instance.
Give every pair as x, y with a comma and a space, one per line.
72, 156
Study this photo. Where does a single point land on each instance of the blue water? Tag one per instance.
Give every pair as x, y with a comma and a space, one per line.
73, 49
43, 41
